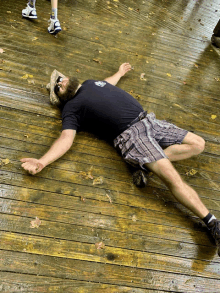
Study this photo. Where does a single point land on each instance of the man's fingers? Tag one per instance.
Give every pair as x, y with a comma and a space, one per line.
25, 160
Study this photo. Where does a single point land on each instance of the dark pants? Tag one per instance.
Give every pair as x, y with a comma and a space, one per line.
217, 29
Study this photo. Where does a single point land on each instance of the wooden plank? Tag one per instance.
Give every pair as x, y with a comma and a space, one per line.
127, 240
78, 217
11, 282
104, 273
106, 255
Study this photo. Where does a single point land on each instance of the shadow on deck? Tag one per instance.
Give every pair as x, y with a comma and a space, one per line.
106, 235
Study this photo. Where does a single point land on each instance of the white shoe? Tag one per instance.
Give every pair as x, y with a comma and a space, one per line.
29, 12
54, 27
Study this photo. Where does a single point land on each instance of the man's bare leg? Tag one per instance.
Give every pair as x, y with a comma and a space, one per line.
186, 195
191, 145
181, 191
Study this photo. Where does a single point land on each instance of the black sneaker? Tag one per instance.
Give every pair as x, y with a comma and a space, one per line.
140, 178
215, 41
214, 228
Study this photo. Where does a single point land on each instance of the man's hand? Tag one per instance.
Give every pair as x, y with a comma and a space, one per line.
124, 68
33, 166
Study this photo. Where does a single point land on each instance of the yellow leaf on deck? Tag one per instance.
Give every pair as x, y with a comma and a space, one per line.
130, 8
26, 76
213, 116
191, 172
5, 161
98, 180
168, 74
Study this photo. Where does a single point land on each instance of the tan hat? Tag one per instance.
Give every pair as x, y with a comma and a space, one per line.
50, 86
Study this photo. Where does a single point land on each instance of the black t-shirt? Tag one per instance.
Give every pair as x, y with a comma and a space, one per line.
102, 108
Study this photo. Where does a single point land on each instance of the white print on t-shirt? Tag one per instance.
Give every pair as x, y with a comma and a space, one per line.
100, 83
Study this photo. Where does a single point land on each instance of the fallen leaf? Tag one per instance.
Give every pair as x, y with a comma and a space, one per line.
98, 180
120, 32
5, 161
142, 77
34, 39
26, 76
86, 175
196, 66
213, 116
35, 223
96, 38
2, 51
191, 172
77, 70
168, 74
100, 245
130, 8
97, 61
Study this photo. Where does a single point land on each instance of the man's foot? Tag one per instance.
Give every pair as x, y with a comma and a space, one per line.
29, 12
54, 27
214, 228
215, 41
139, 178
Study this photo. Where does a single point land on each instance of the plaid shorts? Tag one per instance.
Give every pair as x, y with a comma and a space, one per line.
144, 141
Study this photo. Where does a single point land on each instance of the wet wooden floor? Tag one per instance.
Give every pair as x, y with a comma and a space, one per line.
96, 231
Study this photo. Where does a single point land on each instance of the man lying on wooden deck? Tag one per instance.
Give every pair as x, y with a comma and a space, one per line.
143, 140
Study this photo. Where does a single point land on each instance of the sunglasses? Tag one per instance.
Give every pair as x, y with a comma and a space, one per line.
57, 87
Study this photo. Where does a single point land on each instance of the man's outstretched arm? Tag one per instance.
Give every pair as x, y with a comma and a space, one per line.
124, 68
57, 150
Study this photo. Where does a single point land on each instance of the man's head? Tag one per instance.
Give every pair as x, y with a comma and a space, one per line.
65, 88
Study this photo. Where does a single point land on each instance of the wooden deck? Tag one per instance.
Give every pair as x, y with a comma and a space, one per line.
97, 231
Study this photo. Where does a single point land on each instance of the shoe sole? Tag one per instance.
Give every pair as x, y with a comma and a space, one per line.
54, 32
31, 17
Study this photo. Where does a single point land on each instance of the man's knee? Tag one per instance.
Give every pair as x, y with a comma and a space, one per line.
199, 145
196, 142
